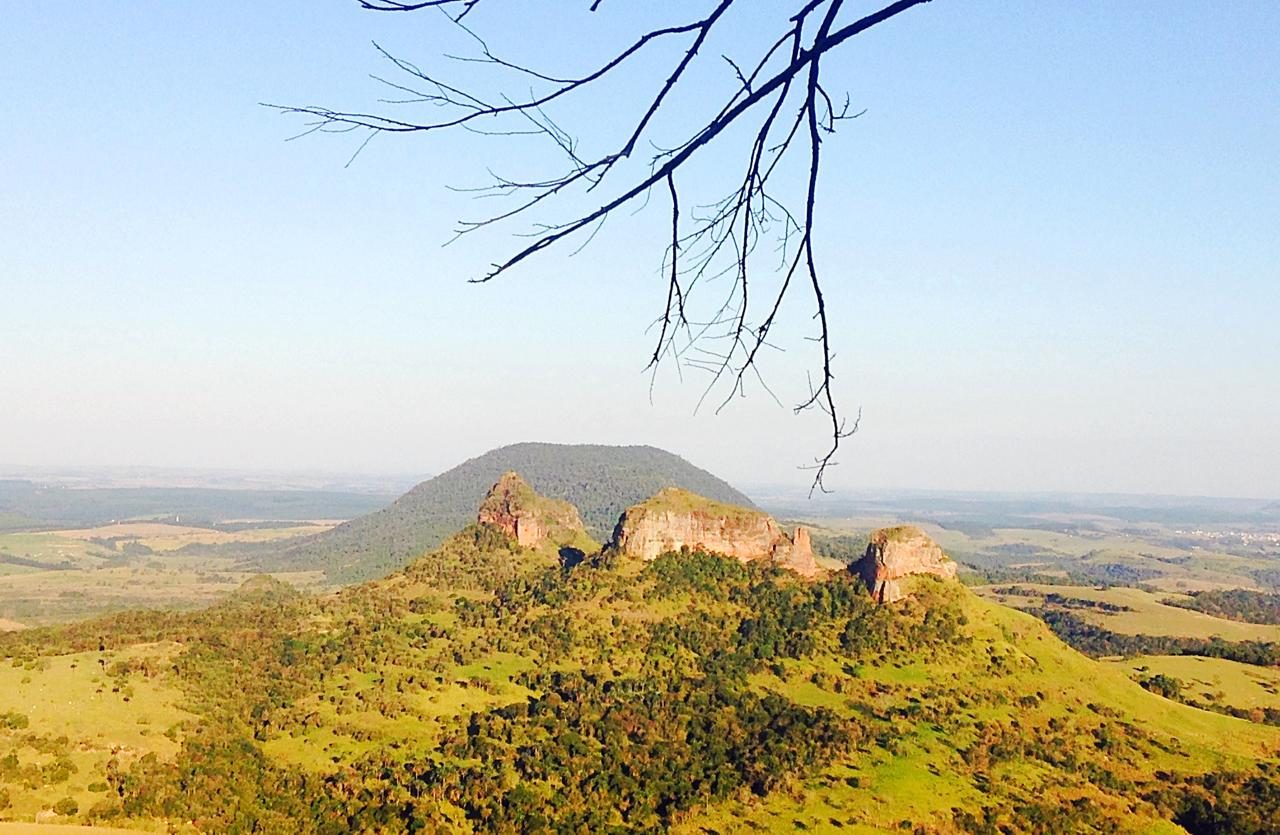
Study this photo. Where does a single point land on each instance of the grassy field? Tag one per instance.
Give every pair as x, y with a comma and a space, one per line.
161, 537
56, 576
82, 715
51, 549
1218, 680
1149, 616
38, 598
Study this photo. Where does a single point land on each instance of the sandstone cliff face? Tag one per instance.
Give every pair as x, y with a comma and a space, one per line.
515, 508
676, 518
894, 553
797, 554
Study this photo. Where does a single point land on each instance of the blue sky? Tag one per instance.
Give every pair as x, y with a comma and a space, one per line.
1050, 246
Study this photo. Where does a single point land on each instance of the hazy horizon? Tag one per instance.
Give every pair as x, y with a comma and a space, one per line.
1050, 249
395, 482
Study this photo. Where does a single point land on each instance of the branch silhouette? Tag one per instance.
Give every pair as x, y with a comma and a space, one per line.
779, 93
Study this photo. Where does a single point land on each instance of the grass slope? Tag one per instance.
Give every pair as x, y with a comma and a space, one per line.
1212, 680
600, 481
1146, 614
79, 712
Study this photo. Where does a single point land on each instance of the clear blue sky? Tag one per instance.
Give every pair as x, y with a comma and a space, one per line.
1052, 246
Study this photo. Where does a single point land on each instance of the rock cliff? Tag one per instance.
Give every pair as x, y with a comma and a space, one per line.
676, 518
515, 508
894, 553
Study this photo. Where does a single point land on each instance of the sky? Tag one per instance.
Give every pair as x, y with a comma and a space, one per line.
1050, 245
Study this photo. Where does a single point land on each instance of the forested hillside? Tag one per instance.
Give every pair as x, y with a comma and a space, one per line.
491, 688
601, 481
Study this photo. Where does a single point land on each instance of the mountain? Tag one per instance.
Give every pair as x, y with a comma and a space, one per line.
600, 481
491, 686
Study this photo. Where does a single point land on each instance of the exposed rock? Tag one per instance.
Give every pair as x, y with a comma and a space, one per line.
797, 554
894, 553
515, 508
676, 518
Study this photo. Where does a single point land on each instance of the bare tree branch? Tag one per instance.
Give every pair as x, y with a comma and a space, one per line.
779, 91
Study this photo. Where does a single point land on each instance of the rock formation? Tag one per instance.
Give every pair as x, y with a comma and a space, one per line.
516, 509
676, 518
894, 553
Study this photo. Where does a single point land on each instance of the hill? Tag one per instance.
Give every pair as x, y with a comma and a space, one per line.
600, 481
491, 687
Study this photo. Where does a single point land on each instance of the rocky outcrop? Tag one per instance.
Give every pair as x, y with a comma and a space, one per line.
797, 554
516, 509
676, 518
894, 553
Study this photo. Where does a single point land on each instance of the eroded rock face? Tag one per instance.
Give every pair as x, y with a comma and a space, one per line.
515, 508
894, 553
676, 518
797, 555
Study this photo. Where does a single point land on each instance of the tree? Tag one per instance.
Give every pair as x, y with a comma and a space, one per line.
777, 108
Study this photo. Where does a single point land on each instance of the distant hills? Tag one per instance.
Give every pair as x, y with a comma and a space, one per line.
28, 505
600, 481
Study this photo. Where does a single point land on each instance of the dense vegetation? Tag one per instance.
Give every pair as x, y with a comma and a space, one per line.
489, 688
1234, 604
601, 481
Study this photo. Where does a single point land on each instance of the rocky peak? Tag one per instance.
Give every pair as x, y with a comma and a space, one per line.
516, 509
676, 518
894, 553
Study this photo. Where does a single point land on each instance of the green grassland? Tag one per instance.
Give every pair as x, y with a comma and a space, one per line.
1212, 680
1147, 614
62, 575
79, 712
38, 598
51, 550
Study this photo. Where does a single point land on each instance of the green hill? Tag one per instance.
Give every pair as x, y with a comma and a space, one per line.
601, 481
492, 688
